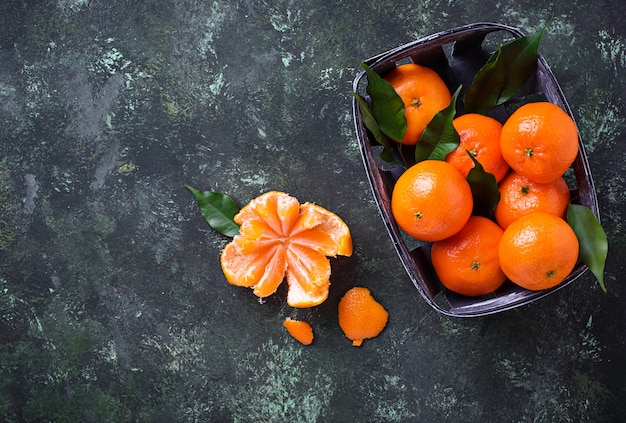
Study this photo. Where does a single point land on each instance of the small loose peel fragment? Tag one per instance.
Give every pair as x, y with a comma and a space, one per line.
300, 330
280, 237
361, 316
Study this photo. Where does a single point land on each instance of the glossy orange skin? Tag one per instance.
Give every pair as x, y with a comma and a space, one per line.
540, 141
423, 93
480, 135
431, 200
538, 251
468, 262
520, 196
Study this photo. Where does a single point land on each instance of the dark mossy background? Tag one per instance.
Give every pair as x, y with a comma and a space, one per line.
113, 307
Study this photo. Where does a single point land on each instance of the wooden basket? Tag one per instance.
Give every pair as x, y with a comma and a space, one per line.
457, 54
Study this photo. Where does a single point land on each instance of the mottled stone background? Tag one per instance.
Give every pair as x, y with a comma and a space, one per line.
112, 304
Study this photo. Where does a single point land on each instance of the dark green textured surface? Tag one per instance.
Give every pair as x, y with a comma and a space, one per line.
113, 307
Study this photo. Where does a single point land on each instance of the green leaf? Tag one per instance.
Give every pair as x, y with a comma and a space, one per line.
372, 125
484, 92
592, 239
387, 106
439, 137
504, 74
484, 189
218, 210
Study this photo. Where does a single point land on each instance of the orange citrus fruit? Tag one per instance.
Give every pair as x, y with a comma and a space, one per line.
538, 251
279, 236
540, 141
467, 262
431, 200
480, 135
300, 330
361, 316
423, 93
520, 196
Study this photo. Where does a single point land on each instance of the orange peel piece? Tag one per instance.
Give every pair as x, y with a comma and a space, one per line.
300, 330
361, 316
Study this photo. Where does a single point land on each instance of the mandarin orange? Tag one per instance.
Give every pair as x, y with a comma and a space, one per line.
467, 262
520, 196
538, 251
423, 93
480, 135
540, 141
431, 200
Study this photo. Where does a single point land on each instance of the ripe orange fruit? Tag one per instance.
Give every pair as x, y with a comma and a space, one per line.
520, 196
467, 262
300, 330
480, 135
538, 251
278, 237
431, 200
361, 316
540, 141
423, 93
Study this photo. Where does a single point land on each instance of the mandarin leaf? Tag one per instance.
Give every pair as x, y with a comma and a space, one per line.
439, 137
520, 60
218, 210
372, 126
484, 188
485, 90
387, 106
504, 74
591, 238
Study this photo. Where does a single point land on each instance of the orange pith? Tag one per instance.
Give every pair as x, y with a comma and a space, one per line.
480, 135
540, 141
538, 251
431, 200
520, 196
361, 316
300, 330
467, 262
423, 93
280, 237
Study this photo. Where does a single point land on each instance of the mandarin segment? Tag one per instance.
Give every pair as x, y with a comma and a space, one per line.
259, 269
281, 238
300, 330
308, 270
361, 316
332, 225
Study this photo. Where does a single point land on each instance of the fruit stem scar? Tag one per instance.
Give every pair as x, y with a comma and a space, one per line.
475, 265
550, 273
417, 215
528, 152
525, 189
416, 102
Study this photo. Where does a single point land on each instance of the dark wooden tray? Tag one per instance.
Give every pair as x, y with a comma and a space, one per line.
457, 54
